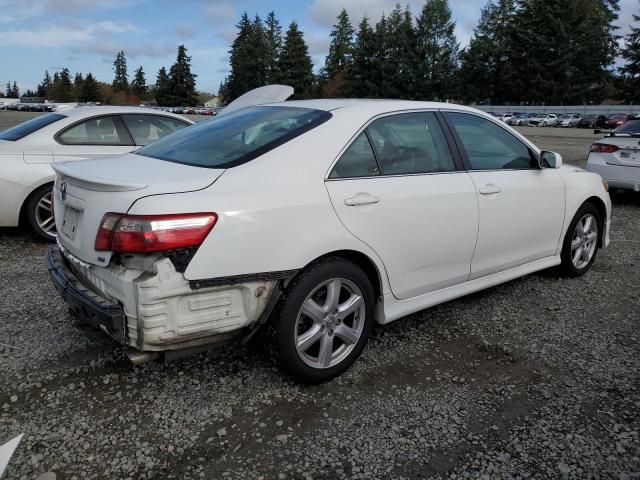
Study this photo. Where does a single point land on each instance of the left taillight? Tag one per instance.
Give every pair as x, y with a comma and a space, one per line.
152, 233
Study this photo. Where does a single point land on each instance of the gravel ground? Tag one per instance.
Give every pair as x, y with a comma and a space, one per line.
537, 378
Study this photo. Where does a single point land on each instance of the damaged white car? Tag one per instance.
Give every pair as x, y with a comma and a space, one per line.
317, 219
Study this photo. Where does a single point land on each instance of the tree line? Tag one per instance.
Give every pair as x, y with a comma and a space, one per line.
521, 52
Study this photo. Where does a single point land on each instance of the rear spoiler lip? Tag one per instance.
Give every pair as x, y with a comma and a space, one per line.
65, 170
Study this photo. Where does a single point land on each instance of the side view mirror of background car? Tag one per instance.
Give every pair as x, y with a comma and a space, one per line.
550, 160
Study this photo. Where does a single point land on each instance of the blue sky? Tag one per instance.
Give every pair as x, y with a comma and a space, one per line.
84, 35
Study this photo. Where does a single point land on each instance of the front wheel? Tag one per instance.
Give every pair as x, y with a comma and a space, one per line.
324, 320
581, 242
40, 213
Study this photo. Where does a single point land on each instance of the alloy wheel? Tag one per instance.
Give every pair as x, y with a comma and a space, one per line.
330, 323
584, 241
44, 215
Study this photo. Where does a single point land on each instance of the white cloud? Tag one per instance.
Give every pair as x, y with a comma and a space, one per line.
54, 36
16, 10
185, 30
109, 50
219, 12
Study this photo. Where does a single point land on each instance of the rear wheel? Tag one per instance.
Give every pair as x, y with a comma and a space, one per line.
39, 210
582, 240
324, 320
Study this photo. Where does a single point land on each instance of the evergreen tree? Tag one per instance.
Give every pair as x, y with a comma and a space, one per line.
15, 91
181, 84
400, 62
631, 69
273, 39
250, 57
120, 79
362, 73
45, 85
437, 49
340, 56
139, 83
77, 86
486, 72
90, 89
161, 87
294, 64
64, 88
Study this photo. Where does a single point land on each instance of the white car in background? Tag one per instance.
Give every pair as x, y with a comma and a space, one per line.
28, 150
316, 219
616, 157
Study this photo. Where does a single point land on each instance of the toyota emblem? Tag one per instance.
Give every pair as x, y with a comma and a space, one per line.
63, 191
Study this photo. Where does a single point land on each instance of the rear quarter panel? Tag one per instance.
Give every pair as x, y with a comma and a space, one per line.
274, 213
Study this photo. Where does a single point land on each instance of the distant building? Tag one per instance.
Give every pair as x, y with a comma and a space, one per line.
212, 102
8, 101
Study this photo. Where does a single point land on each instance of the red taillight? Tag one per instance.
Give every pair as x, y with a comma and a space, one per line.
152, 233
604, 148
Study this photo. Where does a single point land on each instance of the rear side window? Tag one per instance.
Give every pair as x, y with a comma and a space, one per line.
235, 138
30, 126
94, 131
489, 146
357, 161
148, 128
410, 143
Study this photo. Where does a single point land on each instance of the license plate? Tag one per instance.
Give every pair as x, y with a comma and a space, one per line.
631, 156
70, 222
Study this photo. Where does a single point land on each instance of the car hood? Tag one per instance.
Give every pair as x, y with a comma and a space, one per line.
87, 189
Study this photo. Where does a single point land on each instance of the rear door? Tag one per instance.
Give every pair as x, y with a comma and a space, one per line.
399, 189
521, 205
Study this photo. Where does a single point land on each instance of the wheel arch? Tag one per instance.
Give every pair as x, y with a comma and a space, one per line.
22, 216
602, 210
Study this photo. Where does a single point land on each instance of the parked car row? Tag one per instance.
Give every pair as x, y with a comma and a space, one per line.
564, 120
30, 107
212, 111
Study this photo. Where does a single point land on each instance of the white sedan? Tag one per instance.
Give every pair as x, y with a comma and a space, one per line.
28, 150
316, 219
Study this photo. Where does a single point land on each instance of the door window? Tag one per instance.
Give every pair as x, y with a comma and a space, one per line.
357, 161
410, 143
94, 131
147, 128
489, 146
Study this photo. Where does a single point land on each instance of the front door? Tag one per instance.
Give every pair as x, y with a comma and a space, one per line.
521, 205
396, 188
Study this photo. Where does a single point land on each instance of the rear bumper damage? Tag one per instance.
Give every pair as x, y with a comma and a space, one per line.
145, 304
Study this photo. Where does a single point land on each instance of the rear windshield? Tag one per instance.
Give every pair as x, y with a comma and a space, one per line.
235, 138
631, 126
27, 128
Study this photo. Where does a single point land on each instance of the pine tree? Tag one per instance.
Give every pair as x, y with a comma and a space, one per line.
486, 72
77, 86
362, 73
90, 90
631, 69
120, 79
181, 84
139, 83
45, 85
64, 87
340, 56
400, 61
161, 87
437, 49
273, 39
294, 64
8, 91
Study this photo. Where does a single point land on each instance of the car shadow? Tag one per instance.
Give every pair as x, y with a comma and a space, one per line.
625, 198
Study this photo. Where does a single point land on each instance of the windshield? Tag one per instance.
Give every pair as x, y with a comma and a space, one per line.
631, 126
30, 126
235, 138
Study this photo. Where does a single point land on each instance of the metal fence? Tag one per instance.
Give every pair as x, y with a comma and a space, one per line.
581, 109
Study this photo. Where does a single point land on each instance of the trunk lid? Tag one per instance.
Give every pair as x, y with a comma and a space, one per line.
85, 190
628, 153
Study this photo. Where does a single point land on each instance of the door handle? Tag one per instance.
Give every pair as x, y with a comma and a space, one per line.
489, 189
361, 199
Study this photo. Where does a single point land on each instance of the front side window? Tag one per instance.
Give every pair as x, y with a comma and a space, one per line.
148, 128
235, 138
30, 126
410, 143
489, 146
94, 131
357, 161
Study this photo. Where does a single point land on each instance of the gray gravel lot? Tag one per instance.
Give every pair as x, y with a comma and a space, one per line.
537, 378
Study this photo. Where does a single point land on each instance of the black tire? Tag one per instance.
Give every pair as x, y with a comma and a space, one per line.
567, 266
34, 213
285, 320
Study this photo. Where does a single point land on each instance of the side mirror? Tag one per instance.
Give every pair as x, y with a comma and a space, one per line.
550, 160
